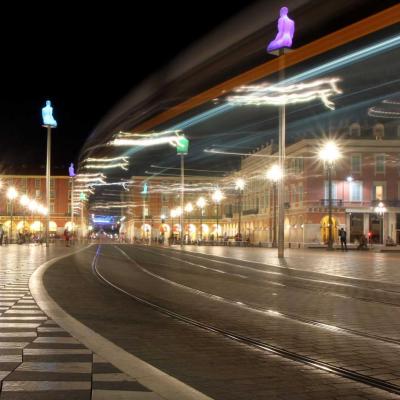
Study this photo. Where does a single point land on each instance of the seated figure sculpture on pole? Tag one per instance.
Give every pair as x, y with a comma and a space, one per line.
285, 34
47, 114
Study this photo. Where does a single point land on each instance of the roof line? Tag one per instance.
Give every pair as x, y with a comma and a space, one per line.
366, 26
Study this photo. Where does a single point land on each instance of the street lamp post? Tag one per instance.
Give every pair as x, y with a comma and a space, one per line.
12, 194
239, 186
201, 203
182, 147
329, 154
380, 209
48, 122
188, 209
217, 196
274, 175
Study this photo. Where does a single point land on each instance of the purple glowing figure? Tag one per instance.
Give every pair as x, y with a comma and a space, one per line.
71, 170
285, 32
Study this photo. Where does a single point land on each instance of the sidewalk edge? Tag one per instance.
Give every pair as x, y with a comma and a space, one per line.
156, 380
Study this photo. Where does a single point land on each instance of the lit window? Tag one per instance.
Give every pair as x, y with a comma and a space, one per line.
355, 191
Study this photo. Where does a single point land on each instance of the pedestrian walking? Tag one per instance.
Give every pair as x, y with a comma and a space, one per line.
66, 237
343, 239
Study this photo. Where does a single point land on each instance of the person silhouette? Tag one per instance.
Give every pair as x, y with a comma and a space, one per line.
47, 114
285, 33
71, 170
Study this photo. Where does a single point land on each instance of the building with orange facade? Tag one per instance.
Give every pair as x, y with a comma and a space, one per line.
34, 187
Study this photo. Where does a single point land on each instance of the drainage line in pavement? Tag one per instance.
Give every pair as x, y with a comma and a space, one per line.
343, 372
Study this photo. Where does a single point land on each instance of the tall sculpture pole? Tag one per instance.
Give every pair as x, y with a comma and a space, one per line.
48, 122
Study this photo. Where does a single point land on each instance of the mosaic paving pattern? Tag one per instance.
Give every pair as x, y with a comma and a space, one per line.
38, 359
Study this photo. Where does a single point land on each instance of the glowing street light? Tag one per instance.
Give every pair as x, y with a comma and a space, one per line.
217, 196
274, 174
380, 209
201, 203
329, 154
189, 208
12, 194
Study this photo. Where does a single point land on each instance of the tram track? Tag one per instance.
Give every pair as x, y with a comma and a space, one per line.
291, 277
255, 343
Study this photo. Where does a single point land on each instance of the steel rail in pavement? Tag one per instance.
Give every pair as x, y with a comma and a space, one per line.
343, 372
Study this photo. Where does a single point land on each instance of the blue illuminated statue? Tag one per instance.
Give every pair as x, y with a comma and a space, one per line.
71, 170
145, 188
285, 34
47, 114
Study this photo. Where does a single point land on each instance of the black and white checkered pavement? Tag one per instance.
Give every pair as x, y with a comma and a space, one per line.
40, 360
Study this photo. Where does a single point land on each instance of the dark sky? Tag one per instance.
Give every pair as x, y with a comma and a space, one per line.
84, 59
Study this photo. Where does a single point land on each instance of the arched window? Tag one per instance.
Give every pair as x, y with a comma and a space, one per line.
378, 131
355, 130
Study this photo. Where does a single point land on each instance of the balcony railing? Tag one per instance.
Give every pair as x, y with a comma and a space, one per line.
335, 202
250, 211
386, 203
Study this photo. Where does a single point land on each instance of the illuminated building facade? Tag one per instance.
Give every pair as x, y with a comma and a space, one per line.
368, 173
34, 187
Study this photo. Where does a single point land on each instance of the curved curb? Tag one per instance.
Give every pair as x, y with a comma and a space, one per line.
156, 380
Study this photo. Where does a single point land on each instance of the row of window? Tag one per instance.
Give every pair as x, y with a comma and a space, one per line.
356, 191
356, 163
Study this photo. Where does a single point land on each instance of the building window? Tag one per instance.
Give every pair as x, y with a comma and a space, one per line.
355, 130
378, 131
301, 194
378, 191
37, 183
334, 190
356, 163
380, 164
356, 191
52, 208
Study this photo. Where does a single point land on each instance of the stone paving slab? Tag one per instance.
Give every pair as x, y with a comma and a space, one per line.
40, 360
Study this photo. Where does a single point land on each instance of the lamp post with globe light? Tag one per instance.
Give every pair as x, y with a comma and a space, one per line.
239, 186
217, 196
274, 174
12, 194
329, 154
188, 210
380, 209
201, 203
24, 200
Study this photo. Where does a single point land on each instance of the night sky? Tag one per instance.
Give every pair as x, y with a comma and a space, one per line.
84, 60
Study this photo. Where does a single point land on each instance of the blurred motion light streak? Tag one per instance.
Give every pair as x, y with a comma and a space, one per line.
275, 95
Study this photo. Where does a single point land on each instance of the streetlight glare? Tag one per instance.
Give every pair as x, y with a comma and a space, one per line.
24, 200
380, 208
189, 207
274, 173
329, 152
217, 196
201, 202
12, 193
240, 184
